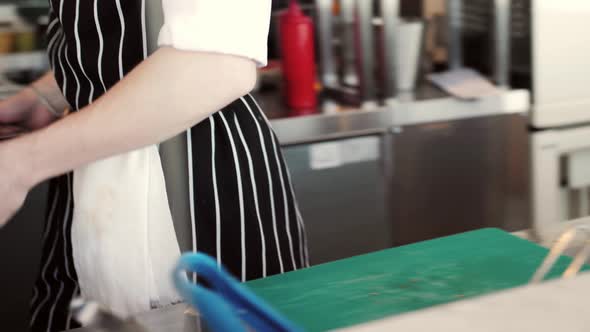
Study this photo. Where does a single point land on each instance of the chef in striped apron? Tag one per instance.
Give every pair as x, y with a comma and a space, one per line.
106, 191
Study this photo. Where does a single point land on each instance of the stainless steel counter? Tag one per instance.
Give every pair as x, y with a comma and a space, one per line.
315, 128
428, 105
465, 160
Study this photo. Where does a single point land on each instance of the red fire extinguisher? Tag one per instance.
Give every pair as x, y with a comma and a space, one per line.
298, 57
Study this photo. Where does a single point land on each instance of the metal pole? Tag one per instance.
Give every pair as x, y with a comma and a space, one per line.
455, 17
366, 52
173, 152
350, 76
326, 36
390, 15
502, 42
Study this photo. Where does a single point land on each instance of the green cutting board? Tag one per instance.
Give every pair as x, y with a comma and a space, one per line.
404, 279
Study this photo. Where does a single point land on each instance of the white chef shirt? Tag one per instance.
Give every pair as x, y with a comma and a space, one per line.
235, 27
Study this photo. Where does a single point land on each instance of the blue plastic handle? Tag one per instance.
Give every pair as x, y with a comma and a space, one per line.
228, 304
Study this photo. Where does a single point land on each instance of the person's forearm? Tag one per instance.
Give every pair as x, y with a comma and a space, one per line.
48, 88
166, 94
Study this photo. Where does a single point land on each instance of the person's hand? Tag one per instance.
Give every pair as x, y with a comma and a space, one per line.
25, 110
14, 181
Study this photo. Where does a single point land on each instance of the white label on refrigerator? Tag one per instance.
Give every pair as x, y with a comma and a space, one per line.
360, 150
325, 155
344, 152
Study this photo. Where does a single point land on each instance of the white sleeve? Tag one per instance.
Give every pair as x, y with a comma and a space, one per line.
235, 27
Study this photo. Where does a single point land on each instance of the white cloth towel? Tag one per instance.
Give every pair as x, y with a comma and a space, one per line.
123, 239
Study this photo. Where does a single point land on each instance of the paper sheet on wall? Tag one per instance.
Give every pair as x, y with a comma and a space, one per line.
464, 83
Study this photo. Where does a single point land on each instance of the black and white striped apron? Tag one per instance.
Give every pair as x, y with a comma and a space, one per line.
243, 207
